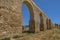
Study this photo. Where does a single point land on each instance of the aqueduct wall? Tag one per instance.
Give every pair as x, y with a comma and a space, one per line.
11, 19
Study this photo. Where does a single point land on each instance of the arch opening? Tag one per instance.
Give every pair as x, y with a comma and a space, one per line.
39, 19
26, 16
41, 23
47, 23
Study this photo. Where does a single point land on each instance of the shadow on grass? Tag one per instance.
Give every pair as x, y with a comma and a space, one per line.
17, 36
28, 32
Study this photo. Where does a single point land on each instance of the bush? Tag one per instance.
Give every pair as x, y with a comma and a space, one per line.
17, 36
6, 38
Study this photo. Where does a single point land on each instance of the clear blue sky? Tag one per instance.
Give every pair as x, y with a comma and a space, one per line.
50, 7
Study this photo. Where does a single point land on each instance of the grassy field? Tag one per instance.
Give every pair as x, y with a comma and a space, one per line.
53, 34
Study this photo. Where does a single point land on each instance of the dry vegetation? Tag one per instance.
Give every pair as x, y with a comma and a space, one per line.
53, 34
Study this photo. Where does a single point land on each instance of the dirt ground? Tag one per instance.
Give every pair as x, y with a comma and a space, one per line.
53, 34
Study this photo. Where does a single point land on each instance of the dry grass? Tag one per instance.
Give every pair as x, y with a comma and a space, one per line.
53, 34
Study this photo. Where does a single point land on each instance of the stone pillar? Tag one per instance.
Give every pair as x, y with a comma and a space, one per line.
49, 24
43, 23
34, 25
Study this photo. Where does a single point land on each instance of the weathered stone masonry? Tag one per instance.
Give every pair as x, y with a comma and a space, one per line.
11, 19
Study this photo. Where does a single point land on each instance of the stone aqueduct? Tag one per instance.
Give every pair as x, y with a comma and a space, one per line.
11, 19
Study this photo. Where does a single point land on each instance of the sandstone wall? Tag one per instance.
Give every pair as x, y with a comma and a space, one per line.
10, 17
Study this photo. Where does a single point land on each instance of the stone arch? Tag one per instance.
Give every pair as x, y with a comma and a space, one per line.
49, 24
30, 8
31, 22
41, 22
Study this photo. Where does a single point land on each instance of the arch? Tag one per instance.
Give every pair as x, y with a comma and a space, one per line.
31, 22
41, 22
29, 7
39, 19
47, 23
25, 18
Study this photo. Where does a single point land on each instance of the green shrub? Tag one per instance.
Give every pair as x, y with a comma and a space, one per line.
6, 38
17, 36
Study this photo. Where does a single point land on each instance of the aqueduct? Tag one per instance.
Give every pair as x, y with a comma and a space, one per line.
11, 19
35, 11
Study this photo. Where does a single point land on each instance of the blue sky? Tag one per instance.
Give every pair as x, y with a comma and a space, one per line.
50, 7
